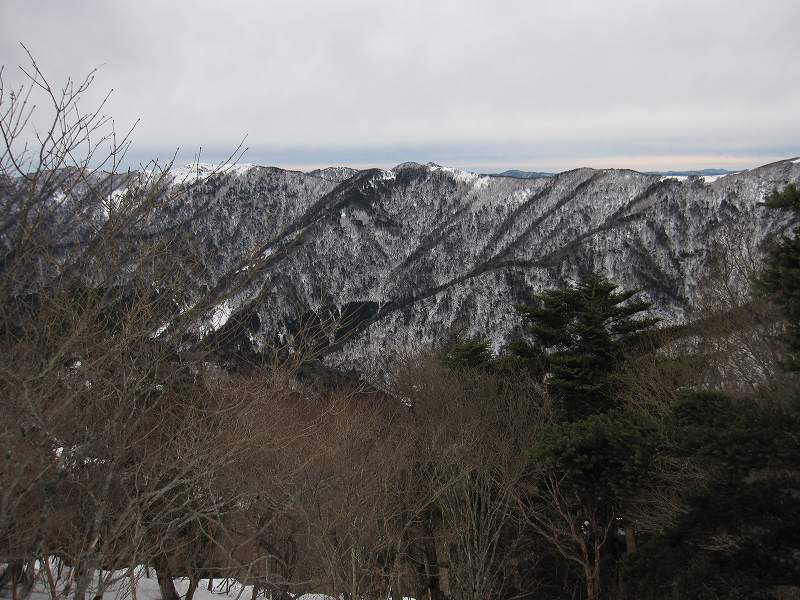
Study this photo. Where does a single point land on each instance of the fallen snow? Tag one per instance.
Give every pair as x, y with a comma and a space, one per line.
126, 586
146, 588
796, 161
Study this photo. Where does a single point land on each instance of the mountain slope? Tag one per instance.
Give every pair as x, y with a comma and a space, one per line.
403, 257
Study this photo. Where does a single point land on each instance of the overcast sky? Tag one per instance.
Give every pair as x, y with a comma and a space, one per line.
485, 85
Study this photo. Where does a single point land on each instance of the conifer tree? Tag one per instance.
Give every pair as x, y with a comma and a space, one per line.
585, 331
780, 281
469, 354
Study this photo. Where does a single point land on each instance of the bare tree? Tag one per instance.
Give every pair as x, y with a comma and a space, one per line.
118, 446
577, 528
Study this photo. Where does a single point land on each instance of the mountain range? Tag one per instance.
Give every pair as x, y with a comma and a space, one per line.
403, 258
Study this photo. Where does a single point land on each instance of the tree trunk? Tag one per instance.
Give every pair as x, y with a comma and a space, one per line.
16, 574
81, 582
592, 584
28, 579
193, 581
9, 575
630, 539
132, 579
354, 582
165, 584
48, 571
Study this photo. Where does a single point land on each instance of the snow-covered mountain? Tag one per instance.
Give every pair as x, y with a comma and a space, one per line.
404, 256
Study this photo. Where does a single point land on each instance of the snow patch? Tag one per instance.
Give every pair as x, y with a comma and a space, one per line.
712, 178
220, 315
121, 585
193, 172
111, 202
477, 181
157, 332
796, 161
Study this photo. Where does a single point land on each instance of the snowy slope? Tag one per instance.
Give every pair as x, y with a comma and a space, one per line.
406, 256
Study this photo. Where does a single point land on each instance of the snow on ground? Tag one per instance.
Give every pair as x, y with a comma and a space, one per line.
796, 161
141, 587
123, 586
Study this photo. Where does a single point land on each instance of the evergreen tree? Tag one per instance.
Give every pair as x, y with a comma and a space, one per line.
585, 331
736, 535
469, 354
780, 281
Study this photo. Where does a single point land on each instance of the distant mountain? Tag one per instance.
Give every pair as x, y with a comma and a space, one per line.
706, 172
521, 174
333, 173
537, 174
402, 257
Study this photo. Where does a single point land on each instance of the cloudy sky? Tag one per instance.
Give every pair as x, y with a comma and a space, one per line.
484, 84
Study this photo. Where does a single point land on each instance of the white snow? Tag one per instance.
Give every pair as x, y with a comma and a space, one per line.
111, 202
264, 255
796, 161
704, 178
477, 181
126, 585
157, 332
121, 585
190, 173
712, 178
220, 315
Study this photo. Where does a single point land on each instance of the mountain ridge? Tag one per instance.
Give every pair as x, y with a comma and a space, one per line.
402, 258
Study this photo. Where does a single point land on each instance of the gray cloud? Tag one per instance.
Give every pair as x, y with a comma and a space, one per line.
536, 84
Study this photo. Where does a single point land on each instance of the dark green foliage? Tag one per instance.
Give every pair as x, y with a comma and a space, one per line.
788, 199
469, 354
605, 456
520, 357
586, 330
737, 537
780, 281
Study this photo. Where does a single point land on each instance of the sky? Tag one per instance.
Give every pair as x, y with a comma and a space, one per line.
489, 85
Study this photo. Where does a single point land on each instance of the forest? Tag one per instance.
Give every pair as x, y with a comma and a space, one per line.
603, 455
